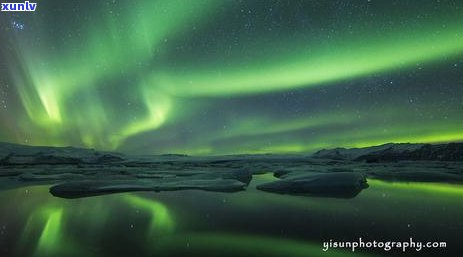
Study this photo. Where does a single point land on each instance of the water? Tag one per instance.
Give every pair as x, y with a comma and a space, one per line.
248, 223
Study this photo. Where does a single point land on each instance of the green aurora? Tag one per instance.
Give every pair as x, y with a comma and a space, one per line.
220, 77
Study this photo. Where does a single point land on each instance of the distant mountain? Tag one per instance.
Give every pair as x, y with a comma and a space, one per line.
14, 154
396, 152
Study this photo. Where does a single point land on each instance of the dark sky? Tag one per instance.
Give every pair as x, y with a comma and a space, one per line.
229, 76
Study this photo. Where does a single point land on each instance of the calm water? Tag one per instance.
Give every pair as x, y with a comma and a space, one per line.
249, 223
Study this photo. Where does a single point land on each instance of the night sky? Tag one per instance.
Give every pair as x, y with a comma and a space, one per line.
229, 76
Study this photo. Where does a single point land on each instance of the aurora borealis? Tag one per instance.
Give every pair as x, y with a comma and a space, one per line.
220, 77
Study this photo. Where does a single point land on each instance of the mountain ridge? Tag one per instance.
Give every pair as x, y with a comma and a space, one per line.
391, 152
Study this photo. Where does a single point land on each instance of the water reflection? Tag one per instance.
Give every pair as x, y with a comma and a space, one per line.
42, 225
250, 223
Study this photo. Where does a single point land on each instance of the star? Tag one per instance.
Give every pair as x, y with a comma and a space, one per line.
17, 25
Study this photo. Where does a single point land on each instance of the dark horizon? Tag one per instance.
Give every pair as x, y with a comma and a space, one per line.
236, 154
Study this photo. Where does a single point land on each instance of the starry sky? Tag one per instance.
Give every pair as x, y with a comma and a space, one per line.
227, 76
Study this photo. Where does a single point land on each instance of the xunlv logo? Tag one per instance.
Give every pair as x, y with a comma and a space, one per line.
19, 7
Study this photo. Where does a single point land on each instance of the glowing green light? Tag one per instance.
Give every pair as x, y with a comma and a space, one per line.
161, 220
313, 65
110, 49
433, 188
51, 234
